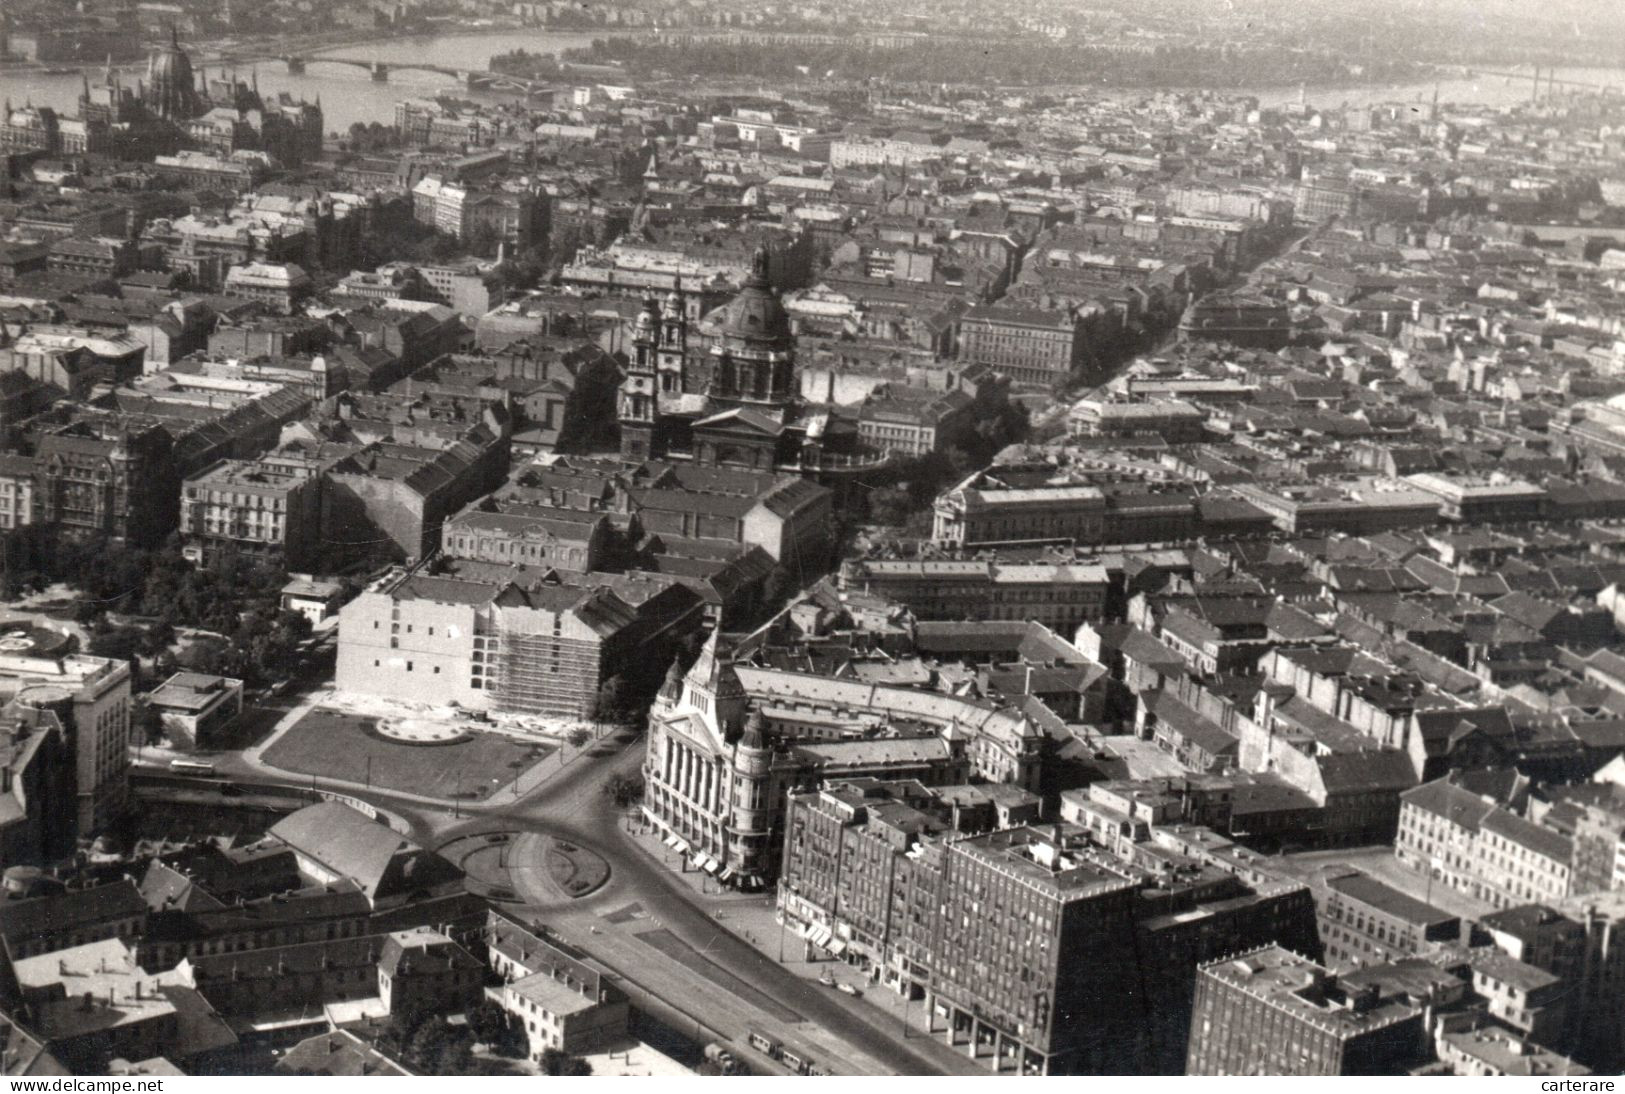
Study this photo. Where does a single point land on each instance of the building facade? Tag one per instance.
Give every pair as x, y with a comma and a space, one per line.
265, 508
1272, 1012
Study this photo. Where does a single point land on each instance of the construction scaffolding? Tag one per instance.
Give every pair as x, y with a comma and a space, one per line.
547, 673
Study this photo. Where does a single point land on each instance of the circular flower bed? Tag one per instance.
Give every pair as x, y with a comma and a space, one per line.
420, 731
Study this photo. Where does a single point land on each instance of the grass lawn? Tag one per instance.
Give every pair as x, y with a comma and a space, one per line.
336, 745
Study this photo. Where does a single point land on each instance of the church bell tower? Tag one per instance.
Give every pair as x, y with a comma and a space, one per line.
639, 405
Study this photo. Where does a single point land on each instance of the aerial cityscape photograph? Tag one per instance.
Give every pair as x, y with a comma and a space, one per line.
976, 538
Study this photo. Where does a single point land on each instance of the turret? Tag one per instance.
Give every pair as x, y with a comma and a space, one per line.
712, 687
752, 753
672, 690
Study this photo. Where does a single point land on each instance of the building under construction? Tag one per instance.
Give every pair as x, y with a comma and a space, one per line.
513, 639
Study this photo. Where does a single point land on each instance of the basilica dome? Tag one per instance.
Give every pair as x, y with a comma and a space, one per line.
755, 315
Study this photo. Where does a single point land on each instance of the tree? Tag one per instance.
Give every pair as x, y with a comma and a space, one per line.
121, 643
455, 1057
164, 665
891, 506
577, 737
497, 1029
488, 1022
426, 1045
157, 638
555, 1062
613, 701
149, 723
624, 790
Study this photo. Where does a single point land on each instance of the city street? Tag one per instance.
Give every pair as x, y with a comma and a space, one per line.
646, 921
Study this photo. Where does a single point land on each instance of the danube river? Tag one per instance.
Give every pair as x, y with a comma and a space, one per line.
348, 94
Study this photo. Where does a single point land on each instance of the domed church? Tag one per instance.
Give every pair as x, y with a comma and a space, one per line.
743, 408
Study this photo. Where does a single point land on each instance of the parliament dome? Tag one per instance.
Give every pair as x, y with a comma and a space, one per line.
171, 91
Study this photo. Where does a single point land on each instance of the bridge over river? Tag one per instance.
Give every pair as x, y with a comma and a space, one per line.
474, 79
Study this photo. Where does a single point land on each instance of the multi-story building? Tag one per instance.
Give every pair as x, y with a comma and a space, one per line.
562, 539
422, 971
1494, 498
1240, 320
564, 999
1358, 507
94, 1003
98, 257
402, 491
1038, 948
1318, 200
1171, 419
716, 772
1487, 1049
37, 805
1477, 847
1527, 998
789, 518
73, 359
89, 697
1364, 922
16, 490
269, 507
237, 171
280, 286
979, 512
1060, 595
30, 128
1599, 833
498, 638
1030, 346
912, 421
21, 259
35, 922
1273, 1012
480, 216
863, 151
467, 290
101, 475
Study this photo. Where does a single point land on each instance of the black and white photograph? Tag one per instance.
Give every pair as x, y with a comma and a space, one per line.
563, 539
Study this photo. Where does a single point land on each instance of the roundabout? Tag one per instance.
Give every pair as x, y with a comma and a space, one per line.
503, 865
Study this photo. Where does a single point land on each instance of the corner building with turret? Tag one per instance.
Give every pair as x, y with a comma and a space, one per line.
728, 744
